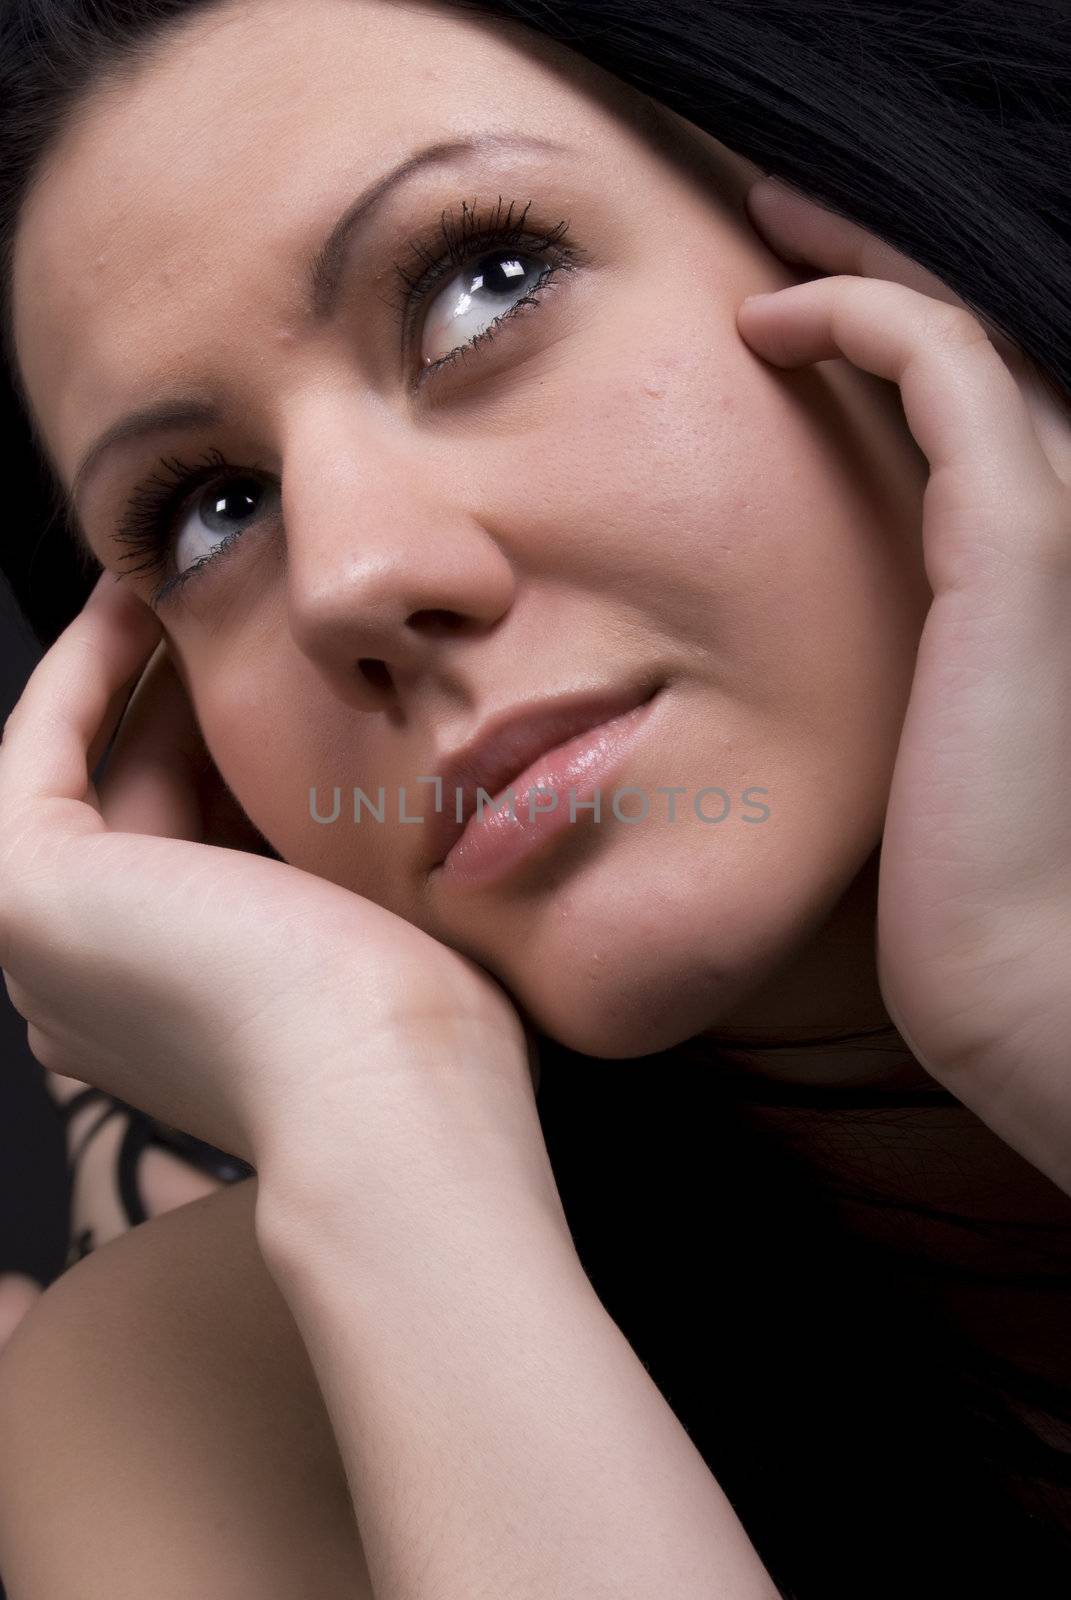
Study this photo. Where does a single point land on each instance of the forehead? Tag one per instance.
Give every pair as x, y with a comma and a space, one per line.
204, 180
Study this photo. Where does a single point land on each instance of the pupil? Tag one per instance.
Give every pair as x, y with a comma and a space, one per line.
500, 274
222, 501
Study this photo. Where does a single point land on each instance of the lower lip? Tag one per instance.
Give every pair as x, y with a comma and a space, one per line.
494, 842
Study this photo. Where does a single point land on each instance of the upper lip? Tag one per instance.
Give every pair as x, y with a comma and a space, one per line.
510, 742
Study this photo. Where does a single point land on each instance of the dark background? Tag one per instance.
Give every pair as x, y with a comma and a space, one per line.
34, 1179
43, 584
33, 1167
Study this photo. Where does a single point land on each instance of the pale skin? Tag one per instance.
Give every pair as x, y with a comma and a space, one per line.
873, 550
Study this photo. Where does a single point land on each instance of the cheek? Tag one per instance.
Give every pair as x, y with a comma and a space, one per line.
259, 747
284, 764
800, 577
749, 513
762, 530
271, 754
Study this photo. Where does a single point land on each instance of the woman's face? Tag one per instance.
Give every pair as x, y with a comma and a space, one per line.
610, 492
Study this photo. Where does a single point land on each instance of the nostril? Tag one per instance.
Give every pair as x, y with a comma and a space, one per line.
376, 672
437, 621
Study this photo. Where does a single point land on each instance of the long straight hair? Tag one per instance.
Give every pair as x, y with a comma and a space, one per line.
943, 128
849, 1442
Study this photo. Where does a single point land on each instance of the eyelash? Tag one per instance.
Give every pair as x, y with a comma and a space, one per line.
155, 505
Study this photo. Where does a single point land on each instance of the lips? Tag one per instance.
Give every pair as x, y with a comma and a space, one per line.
511, 742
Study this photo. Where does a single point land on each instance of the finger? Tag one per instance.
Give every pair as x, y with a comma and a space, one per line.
160, 778
802, 230
152, 777
961, 403
74, 699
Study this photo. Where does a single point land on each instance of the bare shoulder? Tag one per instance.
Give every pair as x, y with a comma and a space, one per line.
161, 1420
187, 1258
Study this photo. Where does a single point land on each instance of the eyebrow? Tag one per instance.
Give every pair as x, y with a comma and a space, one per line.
323, 280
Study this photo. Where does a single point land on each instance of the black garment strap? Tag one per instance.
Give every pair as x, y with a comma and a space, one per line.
86, 1097
143, 1130
138, 1134
66, 1109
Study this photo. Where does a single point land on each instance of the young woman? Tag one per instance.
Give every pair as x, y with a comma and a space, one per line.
661, 1178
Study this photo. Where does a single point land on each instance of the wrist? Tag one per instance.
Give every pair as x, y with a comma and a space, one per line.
392, 1136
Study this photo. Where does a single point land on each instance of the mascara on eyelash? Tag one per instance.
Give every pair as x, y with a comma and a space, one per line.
154, 506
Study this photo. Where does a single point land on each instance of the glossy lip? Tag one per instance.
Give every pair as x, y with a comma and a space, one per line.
510, 744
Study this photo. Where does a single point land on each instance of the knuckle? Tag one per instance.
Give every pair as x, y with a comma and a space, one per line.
955, 326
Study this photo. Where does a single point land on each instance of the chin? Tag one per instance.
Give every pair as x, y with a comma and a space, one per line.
631, 992
633, 948
614, 1036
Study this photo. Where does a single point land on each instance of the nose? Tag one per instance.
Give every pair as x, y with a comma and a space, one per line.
386, 565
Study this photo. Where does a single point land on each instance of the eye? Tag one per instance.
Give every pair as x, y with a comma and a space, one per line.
503, 262
180, 522
479, 294
499, 266
216, 517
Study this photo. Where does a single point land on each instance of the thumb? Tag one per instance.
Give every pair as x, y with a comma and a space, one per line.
150, 782
160, 777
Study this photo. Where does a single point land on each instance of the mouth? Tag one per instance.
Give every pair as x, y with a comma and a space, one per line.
549, 746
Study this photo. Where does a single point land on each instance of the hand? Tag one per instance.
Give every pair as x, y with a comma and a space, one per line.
974, 897
225, 993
